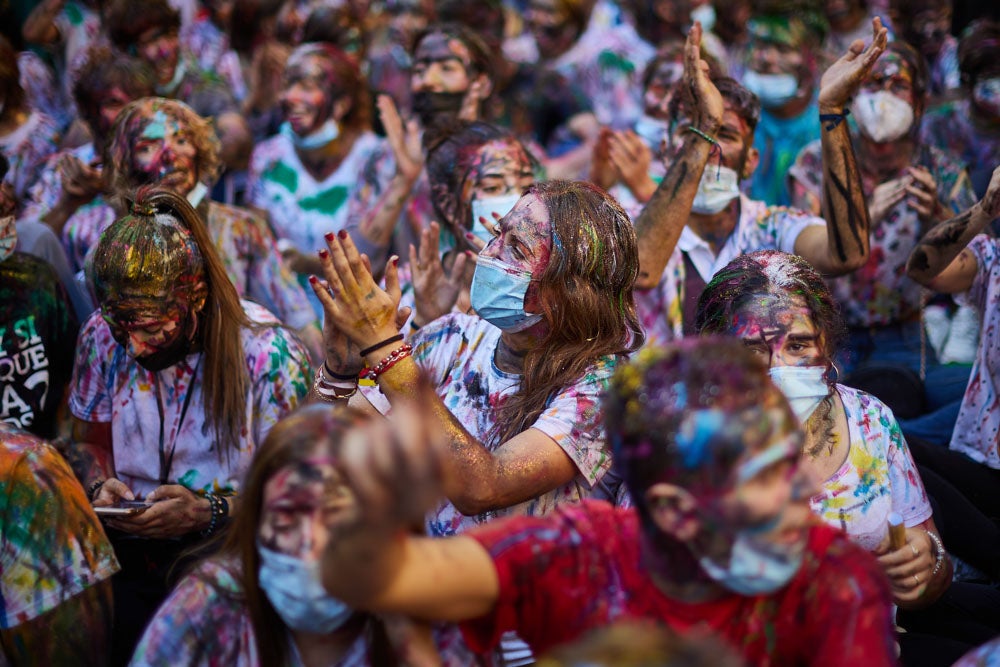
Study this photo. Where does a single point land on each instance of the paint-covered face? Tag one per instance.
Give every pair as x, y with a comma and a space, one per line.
779, 330
660, 89
305, 98
735, 140
112, 102
301, 502
524, 238
929, 29
165, 154
499, 168
156, 330
774, 56
551, 26
8, 234
441, 64
893, 74
160, 47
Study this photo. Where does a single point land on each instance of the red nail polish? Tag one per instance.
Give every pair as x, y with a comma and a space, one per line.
328, 236
342, 234
395, 261
470, 235
324, 253
313, 279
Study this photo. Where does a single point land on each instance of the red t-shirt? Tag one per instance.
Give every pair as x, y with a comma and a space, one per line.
579, 568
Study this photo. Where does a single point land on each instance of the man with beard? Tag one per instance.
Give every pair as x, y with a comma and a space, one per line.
698, 208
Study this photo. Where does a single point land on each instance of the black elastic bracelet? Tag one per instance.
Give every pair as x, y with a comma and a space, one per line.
338, 376
834, 119
378, 346
94, 488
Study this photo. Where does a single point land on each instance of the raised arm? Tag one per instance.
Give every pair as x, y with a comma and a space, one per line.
662, 220
844, 245
941, 261
479, 480
374, 562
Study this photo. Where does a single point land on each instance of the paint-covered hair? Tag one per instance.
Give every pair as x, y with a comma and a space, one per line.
315, 430
776, 273
687, 413
126, 20
801, 23
918, 69
451, 152
585, 294
122, 177
346, 80
480, 56
104, 70
163, 245
979, 50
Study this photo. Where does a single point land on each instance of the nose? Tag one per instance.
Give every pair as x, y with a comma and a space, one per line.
430, 80
767, 58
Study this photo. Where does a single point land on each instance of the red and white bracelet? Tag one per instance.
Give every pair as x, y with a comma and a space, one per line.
395, 356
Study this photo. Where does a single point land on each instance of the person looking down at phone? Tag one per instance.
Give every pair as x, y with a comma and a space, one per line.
175, 383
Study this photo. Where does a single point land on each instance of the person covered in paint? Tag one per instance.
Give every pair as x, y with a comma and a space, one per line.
105, 83
782, 69
175, 384
716, 538
305, 177
27, 136
150, 31
163, 143
37, 323
969, 127
697, 219
55, 585
517, 384
909, 186
926, 24
259, 600
957, 258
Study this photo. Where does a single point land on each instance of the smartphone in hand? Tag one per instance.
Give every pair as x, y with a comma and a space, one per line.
124, 508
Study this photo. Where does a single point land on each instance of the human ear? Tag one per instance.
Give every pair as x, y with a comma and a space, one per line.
674, 511
750, 164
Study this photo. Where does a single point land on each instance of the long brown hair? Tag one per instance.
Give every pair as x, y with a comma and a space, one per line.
586, 298
138, 249
295, 438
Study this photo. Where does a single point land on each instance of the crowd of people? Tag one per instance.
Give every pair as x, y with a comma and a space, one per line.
568, 332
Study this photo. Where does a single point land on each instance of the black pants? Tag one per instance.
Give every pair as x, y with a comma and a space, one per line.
149, 568
966, 497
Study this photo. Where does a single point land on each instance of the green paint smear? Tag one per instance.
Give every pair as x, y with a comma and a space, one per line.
610, 60
284, 176
328, 201
157, 127
73, 13
187, 479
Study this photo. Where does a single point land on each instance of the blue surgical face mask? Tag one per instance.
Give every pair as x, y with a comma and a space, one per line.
485, 208
326, 133
497, 295
805, 387
293, 587
755, 567
773, 90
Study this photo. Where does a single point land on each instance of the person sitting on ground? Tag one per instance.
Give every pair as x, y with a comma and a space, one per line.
717, 539
258, 600
176, 382
909, 187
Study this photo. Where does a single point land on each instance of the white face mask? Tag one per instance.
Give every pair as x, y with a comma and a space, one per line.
705, 14
652, 131
804, 386
882, 116
718, 187
485, 208
754, 568
773, 90
323, 135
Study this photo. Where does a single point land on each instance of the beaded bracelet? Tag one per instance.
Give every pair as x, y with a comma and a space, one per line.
378, 346
939, 552
94, 488
395, 356
716, 148
217, 513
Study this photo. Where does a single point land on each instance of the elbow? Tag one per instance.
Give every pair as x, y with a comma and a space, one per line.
471, 504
